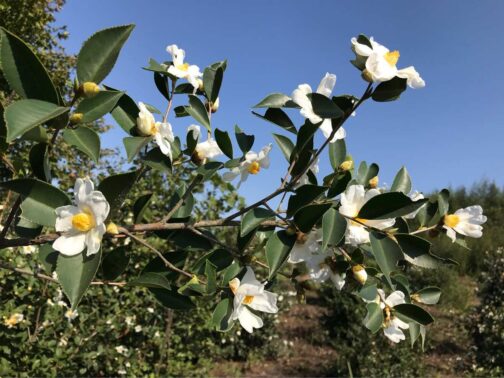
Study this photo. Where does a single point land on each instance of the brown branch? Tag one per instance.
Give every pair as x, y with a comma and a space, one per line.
10, 218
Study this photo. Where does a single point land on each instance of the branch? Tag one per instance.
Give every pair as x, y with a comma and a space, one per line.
10, 218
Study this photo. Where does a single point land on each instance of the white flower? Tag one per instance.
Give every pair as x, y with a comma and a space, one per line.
28, 249
13, 320
392, 325
250, 293
304, 180
82, 225
208, 149
121, 349
130, 320
251, 165
321, 267
299, 96
466, 222
157, 334
150, 310
71, 314
305, 247
381, 64
63, 342
181, 69
122, 372
138, 328
352, 201
161, 131
414, 196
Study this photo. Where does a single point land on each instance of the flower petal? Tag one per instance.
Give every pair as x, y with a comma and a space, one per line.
70, 244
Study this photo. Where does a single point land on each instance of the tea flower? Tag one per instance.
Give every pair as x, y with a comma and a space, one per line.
71, 314
352, 201
251, 165
121, 349
13, 320
181, 69
250, 293
381, 64
393, 326
466, 222
208, 149
299, 96
82, 225
321, 267
161, 131
305, 247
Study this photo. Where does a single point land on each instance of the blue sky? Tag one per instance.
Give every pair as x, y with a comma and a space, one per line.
449, 133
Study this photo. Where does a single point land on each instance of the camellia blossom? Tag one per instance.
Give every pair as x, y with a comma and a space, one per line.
393, 326
13, 320
352, 200
82, 225
251, 165
182, 69
466, 222
208, 149
381, 64
250, 293
321, 267
305, 247
161, 131
299, 96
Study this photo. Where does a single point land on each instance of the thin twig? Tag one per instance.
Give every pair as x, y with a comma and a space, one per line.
10, 218
170, 102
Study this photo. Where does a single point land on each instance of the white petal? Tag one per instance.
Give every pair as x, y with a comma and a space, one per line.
177, 54
399, 323
231, 175
249, 320
98, 205
164, 145
265, 302
450, 232
379, 68
70, 244
82, 189
263, 157
327, 84
338, 280
64, 215
196, 131
208, 149
250, 157
361, 49
356, 234
395, 298
394, 333
94, 238
352, 200
412, 77
250, 278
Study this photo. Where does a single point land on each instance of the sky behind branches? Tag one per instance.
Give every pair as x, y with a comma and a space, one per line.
450, 133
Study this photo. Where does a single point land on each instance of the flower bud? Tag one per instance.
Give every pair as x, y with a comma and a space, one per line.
359, 273
197, 158
291, 231
366, 75
112, 228
76, 118
89, 89
215, 105
373, 183
346, 165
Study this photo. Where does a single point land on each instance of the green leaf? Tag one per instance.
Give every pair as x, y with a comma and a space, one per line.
157, 160
24, 115
389, 90
231, 272
221, 258
306, 217
39, 162
224, 142
48, 257
23, 71
369, 293
339, 183
402, 182
333, 228
115, 188
115, 263
304, 195
386, 253
133, 145
365, 173
125, 113
40, 199
207, 170
417, 252
253, 218
161, 82
75, 274
211, 275
181, 111
285, 144
278, 248
276, 100
412, 313
159, 68
337, 153
184, 211
37, 134
429, 295
374, 318
324, 107
97, 106
414, 331
245, 142
151, 280
140, 207
197, 110
172, 299
389, 205
221, 317
157, 265
278, 117
99, 53
85, 139
212, 80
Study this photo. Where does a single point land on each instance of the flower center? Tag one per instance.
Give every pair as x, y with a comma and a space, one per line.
248, 299
153, 128
392, 57
183, 67
83, 221
254, 168
451, 220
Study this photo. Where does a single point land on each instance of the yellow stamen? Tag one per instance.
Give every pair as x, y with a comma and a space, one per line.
254, 168
451, 220
183, 66
392, 57
83, 221
373, 182
153, 128
248, 299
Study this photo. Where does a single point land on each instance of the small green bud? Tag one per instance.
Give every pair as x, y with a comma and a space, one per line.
76, 118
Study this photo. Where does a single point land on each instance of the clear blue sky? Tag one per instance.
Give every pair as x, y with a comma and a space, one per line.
449, 133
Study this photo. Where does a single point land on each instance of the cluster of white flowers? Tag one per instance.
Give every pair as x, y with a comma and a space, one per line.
13, 320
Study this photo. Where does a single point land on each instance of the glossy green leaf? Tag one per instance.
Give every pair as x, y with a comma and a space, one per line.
97, 106
224, 142
39, 162
389, 205
324, 107
253, 218
306, 217
85, 140
99, 53
40, 199
333, 228
27, 229
369, 293
115, 263
304, 195
48, 257
186, 209
133, 145
285, 144
278, 248
211, 277
75, 274
337, 153
115, 188
221, 317
402, 182
339, 183
245, 142
386, 253
125, 113
151, 280
160, 68
197, 110
37, 134
414, 331
417, 252
172, 299
212, 80
412, 313
428, 295
221, 258
276, 100
161, 82
374, 318
140, 207
23, 71
389, 90
278, 117
207, 170
157, 160
24, 115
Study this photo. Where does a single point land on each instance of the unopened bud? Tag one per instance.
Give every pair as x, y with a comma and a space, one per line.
346, 165
215, 105
415, 297
291, 231
197, 158
76, 118
89, 89
366, 75
112, 228
373, 183
360, 274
